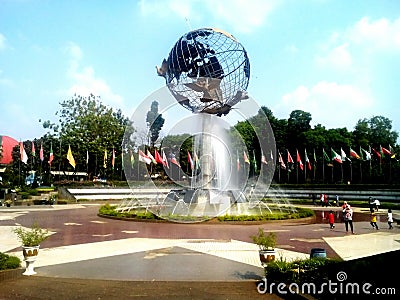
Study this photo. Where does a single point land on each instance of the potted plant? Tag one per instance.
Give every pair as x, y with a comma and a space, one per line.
31, 239
266, 244
8, 203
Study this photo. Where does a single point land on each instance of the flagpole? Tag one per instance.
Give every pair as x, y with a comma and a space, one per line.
279, 173
341, 169
323, 166
59, 162
370, 163
305, 165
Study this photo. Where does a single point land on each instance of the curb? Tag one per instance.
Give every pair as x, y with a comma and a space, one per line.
11, 274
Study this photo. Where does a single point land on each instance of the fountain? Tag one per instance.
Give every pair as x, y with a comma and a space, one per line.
207, 72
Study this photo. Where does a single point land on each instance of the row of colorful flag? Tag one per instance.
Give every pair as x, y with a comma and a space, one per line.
339, 158
70, 157
158, 158
24, 155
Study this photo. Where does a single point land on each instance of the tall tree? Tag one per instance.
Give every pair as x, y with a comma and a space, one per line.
298, 124
87, 125
155, 122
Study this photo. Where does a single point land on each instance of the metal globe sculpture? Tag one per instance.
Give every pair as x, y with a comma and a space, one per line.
207, 71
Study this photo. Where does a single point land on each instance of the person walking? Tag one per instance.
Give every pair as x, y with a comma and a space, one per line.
373, 221
348, 218
390, 218
331, 219
377, 203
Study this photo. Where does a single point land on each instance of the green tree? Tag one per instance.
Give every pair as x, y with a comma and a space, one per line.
155, 122
298, 124
88, 126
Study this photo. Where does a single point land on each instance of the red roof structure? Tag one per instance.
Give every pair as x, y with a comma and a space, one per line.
6, 145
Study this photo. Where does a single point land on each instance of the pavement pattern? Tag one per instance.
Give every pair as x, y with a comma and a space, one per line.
93, 250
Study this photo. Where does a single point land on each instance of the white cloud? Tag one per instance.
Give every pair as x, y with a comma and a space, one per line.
331, 104
242, 15
338, 57
378, 34
358, 42
2, 42
85, 81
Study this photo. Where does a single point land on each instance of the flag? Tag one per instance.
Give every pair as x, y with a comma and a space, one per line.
196, 161
33, 149
174, 161
51, 156
113, 159
354, 154
24, 156
336, 156
245, 157
41, 154
377, 153
315, 157
281, 162
367, 154
386, 151
343, 155
105, 159
289, 157
153, 160
325, 155
132, 158
164, 158
190, 161
263, 159
144, 158
272, 156
299, 160
87, 157
391, 150
307, 160
70, 157
158, 157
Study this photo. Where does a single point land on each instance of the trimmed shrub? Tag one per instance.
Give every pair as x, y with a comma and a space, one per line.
9, 262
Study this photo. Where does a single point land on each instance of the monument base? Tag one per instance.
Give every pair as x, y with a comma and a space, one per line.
200, 202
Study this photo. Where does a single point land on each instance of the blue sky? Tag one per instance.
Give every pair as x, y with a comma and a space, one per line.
338, 60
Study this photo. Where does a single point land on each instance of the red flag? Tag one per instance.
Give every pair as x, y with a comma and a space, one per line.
164, 158
113, 158
307, 160
190, 160
289, 157
376, 153
386, 151
174, 161
283, 166
144, 158
158, 157
354, 154
299, 160
41, 154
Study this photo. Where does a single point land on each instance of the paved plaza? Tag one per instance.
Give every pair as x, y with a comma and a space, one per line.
86, 247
